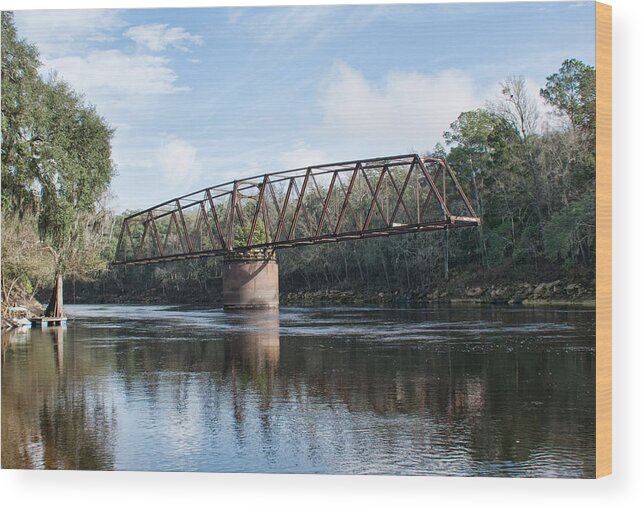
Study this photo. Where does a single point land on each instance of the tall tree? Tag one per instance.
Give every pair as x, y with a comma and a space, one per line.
20, 88
572, 92
520, 110
56, 159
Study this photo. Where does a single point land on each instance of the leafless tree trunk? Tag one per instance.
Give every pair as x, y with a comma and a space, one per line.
55, 306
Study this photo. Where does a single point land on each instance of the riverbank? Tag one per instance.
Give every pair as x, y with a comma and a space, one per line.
556, 292
523, 293
527, 285
508, 286
21, 307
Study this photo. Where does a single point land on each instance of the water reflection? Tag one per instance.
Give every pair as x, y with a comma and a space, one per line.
50, 418
255, 342
58, 337
338, 390
252, 354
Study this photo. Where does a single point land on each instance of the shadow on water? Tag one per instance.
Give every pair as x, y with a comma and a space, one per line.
333, 390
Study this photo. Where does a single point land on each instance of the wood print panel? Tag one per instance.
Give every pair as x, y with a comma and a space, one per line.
603, 240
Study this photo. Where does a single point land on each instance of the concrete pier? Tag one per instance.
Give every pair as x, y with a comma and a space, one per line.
250, 281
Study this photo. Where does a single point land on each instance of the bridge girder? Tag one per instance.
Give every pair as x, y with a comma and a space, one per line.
313, 205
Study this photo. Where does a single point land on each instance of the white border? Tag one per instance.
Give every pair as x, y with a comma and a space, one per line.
48, 490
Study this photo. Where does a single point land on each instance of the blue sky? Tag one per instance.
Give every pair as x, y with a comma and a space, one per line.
201, 96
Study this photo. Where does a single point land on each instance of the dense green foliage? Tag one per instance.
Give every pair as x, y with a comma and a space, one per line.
572, 91
56, 170
243, 234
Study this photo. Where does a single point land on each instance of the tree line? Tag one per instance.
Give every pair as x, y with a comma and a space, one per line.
527, 163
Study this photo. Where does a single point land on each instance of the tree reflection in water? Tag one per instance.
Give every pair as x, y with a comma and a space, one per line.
49, 418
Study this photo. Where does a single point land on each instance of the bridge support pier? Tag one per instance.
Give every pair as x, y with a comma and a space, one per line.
250, 281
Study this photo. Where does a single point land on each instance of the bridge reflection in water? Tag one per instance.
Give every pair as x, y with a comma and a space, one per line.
340, 390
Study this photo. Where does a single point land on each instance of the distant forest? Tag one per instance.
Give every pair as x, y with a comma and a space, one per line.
528, 164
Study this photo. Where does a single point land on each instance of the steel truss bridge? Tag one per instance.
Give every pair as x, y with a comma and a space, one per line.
313, 205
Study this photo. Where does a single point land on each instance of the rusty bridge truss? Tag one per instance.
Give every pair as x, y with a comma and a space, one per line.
313, 205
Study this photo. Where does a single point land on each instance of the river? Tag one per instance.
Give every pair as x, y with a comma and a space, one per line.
446, 390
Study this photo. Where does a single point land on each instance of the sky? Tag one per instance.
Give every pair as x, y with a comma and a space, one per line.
201, 96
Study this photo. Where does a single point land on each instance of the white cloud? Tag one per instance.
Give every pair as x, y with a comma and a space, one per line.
407, 111
58, 32
157, 36
301, 155
103, 72
179, 164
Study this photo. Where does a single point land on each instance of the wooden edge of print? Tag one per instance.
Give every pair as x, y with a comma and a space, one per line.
603, 240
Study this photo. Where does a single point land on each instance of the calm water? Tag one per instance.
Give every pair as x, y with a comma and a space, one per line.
446, 390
